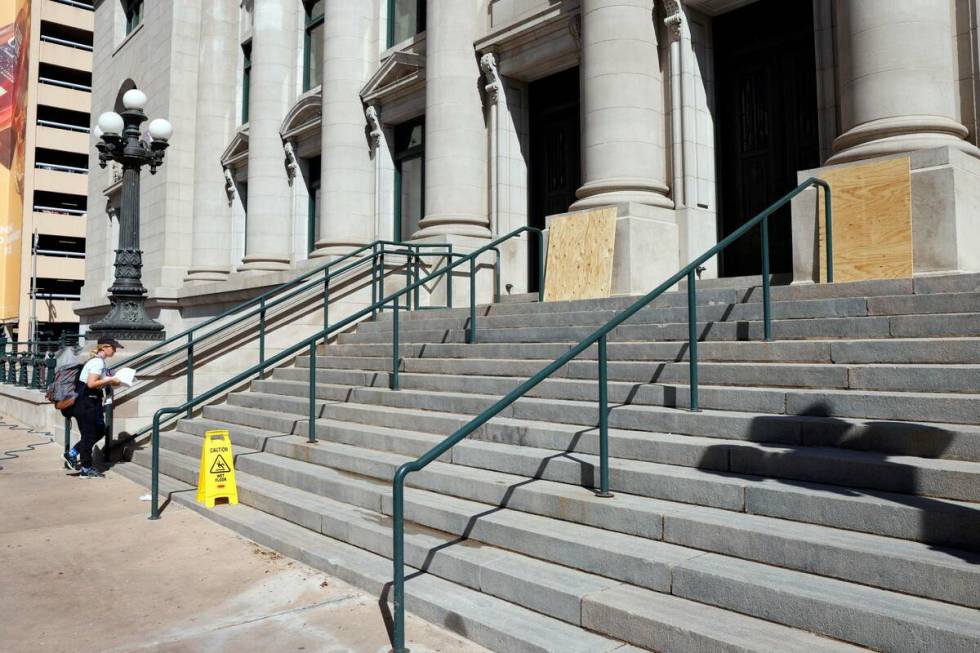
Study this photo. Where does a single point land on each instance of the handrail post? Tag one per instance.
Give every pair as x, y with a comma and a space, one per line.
190, 372
603, 422
312, 430
449, 279
261, 331
471, 333
692, 339
107, 415
3, 357
541, 267
408, 279
496, 277
394, 383
766, 306
398, 561
374, 281
22, 379
155, 468
67, 436
829, 235
326, 306
381, 280
418, 256
12, 371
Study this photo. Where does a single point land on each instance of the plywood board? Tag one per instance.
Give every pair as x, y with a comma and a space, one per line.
580, 255
872, 221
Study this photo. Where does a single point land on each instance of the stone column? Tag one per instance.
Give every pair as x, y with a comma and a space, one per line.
455, 132
897, 79
268, 222
623, 126
347, 171
216, 118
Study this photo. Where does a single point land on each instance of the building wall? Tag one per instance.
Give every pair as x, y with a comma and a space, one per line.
477, 147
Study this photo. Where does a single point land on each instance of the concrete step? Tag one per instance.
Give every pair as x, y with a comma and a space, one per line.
910, 567
953, 303
491, 622
893, 351
946, 441
948, 627
899, 378
950, 523
903, 326
912, 475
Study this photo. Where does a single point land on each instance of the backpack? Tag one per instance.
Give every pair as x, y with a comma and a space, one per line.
63, 391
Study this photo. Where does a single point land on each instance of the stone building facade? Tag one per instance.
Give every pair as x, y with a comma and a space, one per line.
305, 128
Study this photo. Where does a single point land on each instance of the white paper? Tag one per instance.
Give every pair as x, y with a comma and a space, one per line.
126, 375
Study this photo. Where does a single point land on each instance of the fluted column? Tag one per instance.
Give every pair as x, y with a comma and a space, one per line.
268, 222
216, 117
623, 125
347, 172
897, 79
455, 132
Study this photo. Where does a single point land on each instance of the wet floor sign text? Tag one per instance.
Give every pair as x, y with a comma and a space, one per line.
216, 478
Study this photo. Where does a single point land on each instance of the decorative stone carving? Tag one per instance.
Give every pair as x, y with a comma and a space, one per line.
675, 17
494, 86
292, 164
575, 28
374, 126
229, 185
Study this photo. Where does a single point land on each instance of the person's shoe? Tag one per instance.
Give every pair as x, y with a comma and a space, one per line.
90, 472
71, 459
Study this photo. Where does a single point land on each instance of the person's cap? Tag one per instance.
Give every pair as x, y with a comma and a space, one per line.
112, 342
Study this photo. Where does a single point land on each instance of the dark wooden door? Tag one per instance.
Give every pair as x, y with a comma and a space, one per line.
767, 122
555, 171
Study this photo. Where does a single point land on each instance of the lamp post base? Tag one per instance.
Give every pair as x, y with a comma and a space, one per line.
127, 320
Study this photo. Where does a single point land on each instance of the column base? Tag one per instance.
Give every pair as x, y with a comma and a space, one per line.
606, 192
334, 249
945, 191
263, 264
453, 225
903, 134
646, 250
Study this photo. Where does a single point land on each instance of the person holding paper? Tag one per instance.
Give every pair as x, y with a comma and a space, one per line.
88, 413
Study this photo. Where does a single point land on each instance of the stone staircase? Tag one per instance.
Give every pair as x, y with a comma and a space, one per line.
827, 497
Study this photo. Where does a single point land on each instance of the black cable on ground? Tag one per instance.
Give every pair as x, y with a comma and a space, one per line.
10, 455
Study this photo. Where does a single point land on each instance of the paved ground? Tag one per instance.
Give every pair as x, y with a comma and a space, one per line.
82, 569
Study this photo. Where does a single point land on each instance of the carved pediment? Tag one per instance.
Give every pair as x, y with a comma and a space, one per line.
400, 74
236, 153
304, 116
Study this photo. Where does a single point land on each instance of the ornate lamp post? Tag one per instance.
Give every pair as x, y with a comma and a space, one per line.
120, 141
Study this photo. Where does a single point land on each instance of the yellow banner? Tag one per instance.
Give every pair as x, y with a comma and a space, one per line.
15, 26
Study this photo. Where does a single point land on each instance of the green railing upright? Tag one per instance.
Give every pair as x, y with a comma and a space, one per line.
310, 343
599, 336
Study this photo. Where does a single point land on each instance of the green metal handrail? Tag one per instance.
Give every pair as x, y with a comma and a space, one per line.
264, 304
598, 336
36, 362
310, 343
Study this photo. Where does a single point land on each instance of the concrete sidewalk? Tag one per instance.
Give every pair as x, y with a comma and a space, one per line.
82, 569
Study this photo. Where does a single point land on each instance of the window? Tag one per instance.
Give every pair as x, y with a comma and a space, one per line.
313, 44
313, 207
134, 14
246, 75
409, 178
406, 18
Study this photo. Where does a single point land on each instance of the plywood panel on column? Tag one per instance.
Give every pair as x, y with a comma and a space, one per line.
872, 221
580, 255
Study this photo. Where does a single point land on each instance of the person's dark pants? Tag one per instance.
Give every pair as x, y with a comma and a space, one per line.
91, 424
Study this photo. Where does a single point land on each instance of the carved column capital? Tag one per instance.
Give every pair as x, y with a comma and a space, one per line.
375, 132
675, 17
494, 86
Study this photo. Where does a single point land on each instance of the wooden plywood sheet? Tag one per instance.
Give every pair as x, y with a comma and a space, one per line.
580, 255
872, 221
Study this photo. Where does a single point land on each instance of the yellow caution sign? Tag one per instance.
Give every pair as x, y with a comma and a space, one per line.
216, 478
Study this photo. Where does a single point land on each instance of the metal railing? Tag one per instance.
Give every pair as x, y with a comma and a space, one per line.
62, 125
65, 42
27, 363
599, 336
309, 345
60, 168
61, 210
60, 82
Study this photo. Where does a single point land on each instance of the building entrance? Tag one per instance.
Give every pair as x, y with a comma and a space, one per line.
766, 122
554, 173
